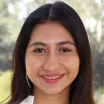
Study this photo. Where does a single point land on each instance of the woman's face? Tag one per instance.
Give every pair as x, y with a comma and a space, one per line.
52, 61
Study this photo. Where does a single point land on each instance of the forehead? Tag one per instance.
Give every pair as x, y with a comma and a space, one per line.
50, 32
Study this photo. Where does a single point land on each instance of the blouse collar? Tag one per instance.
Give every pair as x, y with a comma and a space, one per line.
28, 100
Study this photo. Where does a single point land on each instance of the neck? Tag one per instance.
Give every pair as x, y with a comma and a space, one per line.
43, 98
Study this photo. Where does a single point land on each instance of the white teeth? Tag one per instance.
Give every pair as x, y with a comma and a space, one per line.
53, 77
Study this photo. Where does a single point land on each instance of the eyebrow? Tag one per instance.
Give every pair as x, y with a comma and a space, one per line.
58, 44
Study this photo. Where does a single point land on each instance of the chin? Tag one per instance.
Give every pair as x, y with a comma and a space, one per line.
52, 91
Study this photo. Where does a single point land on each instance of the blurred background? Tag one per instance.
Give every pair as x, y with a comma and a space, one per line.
12, 16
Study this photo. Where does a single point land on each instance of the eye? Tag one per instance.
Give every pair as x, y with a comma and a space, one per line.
64, 50
39, 50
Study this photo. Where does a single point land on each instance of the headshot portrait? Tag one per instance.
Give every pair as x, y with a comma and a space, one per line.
52, 60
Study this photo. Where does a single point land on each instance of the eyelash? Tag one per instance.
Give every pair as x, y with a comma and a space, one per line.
40, 50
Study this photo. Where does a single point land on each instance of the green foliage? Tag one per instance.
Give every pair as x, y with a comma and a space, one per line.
5, 80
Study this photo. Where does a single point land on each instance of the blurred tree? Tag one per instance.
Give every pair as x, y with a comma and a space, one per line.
7, 32
3, 32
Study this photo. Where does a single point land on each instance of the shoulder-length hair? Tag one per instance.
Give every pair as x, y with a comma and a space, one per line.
81, 88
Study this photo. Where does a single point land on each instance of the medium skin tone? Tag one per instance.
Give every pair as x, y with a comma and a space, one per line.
51, 49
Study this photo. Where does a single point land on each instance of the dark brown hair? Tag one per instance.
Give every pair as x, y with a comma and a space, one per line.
81, 88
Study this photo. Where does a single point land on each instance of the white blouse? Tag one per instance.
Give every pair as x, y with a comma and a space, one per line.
28, 100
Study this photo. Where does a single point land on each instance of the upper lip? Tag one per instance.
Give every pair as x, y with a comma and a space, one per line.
52, 74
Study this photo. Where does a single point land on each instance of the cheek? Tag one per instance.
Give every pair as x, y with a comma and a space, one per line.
72, 67
33, 67
72, 63
33, 64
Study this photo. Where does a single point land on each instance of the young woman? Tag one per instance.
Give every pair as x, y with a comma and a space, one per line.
52, 59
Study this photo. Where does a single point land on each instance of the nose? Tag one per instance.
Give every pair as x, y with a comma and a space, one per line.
52, 63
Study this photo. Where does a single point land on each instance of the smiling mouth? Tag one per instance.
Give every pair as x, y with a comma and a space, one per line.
52, 79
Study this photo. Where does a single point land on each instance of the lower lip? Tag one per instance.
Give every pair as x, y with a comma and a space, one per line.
50, 81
